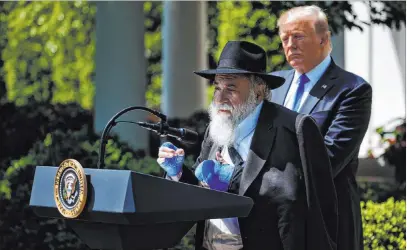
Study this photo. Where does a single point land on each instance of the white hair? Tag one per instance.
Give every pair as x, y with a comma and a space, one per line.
255, 82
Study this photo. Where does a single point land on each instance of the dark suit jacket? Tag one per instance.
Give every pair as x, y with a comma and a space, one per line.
340, 102
289, 181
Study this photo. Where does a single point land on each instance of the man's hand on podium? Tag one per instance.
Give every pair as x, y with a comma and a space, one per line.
213, 174
171, 159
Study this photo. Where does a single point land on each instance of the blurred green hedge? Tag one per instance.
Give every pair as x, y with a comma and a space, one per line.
45, 134
381, 191
19, 227
384, 224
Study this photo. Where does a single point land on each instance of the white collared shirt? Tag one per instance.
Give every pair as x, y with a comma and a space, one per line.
314, 75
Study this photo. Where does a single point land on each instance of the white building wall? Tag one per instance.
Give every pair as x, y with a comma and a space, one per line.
378, 55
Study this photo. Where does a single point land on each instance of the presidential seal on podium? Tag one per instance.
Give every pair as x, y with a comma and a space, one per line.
70, 188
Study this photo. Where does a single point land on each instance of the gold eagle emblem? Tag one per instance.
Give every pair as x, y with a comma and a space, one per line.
70, 188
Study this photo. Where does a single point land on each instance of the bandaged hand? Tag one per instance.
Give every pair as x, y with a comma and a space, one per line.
214, 174
171, 158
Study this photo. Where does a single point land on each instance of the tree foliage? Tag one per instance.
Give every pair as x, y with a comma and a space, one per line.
20, 228
48, 47
49, 52
153, 44
256, 21
250, 21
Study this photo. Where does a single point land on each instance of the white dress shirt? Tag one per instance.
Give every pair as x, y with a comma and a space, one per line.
224, 234
314, 75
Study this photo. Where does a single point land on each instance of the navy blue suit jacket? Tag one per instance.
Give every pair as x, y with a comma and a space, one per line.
340, 102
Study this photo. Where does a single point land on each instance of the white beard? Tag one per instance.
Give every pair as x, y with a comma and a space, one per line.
222, 126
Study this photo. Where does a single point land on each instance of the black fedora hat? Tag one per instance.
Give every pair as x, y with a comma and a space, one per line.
241, 57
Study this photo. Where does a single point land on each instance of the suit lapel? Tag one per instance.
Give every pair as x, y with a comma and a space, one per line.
320, 89
262, 142
280, 94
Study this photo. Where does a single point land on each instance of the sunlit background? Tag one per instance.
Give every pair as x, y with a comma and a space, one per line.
67, 67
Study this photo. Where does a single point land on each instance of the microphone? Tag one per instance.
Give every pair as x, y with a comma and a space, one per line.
112, 122
181, 134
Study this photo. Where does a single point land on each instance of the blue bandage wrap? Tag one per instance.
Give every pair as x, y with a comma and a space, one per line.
172, 166
215, 174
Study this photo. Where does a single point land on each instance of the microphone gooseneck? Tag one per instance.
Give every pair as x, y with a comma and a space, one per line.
161, 128
112, 123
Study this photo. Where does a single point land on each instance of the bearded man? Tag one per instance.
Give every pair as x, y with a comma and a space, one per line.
251, 148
